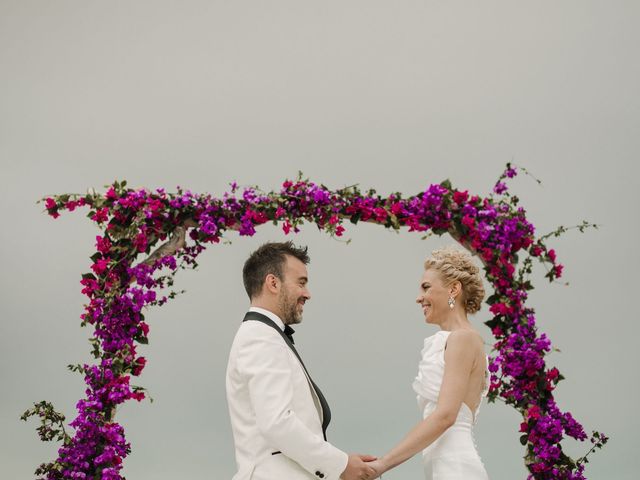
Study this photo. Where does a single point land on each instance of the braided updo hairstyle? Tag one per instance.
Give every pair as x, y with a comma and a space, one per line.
453, 264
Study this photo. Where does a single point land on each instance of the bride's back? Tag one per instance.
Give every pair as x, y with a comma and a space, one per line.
478, 377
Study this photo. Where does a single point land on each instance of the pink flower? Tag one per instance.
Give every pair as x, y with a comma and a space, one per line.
154, 204
140, 242
101, 215
52, 207
499, 309
90, 286
103, 244
536, 250
468, 220
510, 269
144, 327
539, 467
339, 230
534, 412
139, 365
100, 266
500, 188
460, 197
553, 373
111, 193
381, 214
511, 172
396, 208
558, 270
139, 396
552, 255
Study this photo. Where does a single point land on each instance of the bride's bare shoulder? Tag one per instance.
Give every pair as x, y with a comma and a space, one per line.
465, 338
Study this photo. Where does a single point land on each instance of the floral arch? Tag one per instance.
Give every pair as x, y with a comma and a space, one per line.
120, 286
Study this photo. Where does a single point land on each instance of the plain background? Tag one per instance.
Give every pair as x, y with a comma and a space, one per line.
391, 95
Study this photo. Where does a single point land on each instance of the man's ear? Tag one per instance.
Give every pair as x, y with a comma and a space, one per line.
272, 283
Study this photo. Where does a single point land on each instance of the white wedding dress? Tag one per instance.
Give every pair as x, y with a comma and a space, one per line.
453, 456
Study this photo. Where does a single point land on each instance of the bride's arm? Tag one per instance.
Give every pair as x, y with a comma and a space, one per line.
459, 357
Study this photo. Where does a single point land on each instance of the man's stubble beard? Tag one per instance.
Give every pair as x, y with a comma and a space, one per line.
288, 307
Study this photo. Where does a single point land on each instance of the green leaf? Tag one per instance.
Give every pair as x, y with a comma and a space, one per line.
76, 368
446, 184
527, 285
493, 299
493, 322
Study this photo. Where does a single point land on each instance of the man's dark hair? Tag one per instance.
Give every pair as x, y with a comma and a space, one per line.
269, 258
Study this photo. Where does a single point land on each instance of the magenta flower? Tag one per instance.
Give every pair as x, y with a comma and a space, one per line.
101, 215
558, 270
500, 188
140, 242
100, 265
468, 221
460, 197
103, 244
111, 194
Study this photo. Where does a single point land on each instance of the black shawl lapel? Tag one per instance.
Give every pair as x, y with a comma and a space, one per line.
326, 412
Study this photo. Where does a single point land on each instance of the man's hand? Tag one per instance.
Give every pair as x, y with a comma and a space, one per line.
357, 469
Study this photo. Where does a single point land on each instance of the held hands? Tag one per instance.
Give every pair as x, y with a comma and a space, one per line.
359, 469
379, 466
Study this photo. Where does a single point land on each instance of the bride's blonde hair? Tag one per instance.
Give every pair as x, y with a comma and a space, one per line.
453, 264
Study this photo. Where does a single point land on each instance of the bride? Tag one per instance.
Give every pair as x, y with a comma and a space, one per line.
452, 374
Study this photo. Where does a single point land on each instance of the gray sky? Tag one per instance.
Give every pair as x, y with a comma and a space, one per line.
391, 95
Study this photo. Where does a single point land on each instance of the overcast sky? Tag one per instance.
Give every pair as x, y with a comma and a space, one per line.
391, 95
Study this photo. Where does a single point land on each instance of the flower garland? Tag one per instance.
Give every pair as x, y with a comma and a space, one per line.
120, 287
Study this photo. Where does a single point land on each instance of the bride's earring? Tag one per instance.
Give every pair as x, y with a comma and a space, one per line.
452, 302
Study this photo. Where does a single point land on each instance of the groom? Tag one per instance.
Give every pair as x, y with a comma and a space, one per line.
278, 414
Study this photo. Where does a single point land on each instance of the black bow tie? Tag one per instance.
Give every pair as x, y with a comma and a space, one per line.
288, 331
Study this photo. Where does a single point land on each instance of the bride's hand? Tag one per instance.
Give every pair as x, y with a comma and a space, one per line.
378, 466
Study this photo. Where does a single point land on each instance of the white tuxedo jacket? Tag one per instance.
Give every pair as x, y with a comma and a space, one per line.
275, 413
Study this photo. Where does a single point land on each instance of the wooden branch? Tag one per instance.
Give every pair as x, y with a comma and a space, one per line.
176, 241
